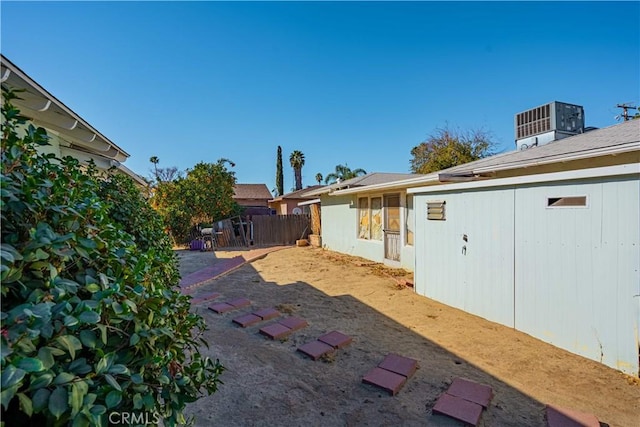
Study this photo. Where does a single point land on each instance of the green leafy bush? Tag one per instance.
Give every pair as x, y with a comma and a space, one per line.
205, 195
91, 320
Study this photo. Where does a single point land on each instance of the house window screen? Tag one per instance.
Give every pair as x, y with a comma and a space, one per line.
363, 216
436, 210
409, 220
376, 218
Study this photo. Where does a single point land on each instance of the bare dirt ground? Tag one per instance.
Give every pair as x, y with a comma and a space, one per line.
269, 383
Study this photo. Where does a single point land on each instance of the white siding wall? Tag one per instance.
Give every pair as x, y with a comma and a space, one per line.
479, 279
339, 229
569, 276
577, 269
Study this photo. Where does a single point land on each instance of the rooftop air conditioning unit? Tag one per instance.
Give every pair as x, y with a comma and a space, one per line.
549, 122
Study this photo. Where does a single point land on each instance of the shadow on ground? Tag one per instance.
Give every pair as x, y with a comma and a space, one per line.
269, 383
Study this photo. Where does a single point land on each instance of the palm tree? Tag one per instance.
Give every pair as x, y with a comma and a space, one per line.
319, 178
297, 162
342, 173
155, 160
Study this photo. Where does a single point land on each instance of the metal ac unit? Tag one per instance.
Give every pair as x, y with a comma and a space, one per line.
549, 122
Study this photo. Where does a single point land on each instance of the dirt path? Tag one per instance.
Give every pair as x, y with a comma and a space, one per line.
269, 383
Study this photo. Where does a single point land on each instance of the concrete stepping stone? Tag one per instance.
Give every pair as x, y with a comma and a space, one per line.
386, 380
562, 417
316, 349
205, 298
284, 327
235, 304
471, 391
458, 408
335, 339
256, 317
399, 364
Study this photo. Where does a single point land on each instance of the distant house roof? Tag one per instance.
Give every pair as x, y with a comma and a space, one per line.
373, 178
299, 194
252, 191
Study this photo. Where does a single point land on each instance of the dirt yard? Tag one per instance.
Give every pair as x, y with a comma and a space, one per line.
269, 383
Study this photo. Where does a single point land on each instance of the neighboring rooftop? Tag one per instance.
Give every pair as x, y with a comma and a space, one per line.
252, 191
373, 178
299, 194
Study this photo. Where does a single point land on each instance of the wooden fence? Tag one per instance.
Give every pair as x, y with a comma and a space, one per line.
280, 229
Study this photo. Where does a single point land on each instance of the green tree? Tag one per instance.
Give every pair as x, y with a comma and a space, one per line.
297, 162
319, 178
342, 173
204, 195
450, 147
279, 173
92, 320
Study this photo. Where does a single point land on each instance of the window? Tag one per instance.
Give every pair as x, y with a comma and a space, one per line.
370, 218
409, 220
574, 201
435, 210
363, 215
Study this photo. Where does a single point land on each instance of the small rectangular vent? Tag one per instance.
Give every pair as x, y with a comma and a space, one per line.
435, 210
573, 201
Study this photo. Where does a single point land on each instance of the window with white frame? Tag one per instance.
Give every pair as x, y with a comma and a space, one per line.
409, 220
370, 218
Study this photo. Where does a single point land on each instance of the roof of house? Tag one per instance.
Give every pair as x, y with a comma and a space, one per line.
298, 194
252, 191
618, 138
37, 104
612, 140
373, 178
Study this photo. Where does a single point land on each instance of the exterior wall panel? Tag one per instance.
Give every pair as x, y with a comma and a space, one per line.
578, 269
475, 275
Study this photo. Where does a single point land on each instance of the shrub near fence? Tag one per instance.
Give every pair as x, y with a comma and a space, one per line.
280, 229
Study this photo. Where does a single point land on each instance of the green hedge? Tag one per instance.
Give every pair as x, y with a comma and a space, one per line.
92, 321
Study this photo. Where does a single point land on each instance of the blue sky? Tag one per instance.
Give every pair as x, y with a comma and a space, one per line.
359, 83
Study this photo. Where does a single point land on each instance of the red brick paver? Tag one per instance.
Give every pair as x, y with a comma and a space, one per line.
276, 331
336, 339
562, 417
315, 349
247, 320
267, 313
222, 307
384, 379
471, 391
205, 298
399, 364
294, 323
458, 408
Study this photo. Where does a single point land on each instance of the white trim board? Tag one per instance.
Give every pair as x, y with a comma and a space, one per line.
628, 169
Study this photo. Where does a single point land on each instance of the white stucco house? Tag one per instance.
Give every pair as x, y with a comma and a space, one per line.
544, 240
70, 134
368, 217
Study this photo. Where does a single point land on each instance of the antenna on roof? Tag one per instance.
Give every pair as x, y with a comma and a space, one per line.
625, 110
